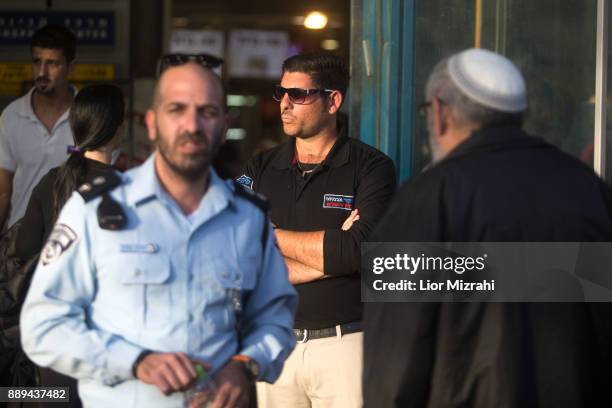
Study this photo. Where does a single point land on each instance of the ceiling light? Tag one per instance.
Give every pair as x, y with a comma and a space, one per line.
315, 20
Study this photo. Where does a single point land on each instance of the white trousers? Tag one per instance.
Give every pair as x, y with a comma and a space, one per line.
320, 373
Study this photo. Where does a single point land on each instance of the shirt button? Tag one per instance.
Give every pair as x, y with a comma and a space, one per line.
225, 274
190, 317
138, 272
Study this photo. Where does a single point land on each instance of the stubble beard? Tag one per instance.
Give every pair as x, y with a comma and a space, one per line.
46, 90
301, 132
192, 166
435, 150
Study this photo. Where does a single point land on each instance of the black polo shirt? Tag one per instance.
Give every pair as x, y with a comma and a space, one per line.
353, 176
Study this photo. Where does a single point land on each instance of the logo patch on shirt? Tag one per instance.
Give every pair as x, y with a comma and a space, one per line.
341, 202
61, 238
245, 181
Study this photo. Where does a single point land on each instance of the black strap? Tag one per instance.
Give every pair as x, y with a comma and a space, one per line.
260, 202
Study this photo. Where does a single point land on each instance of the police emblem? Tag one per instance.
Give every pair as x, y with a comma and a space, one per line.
61, 238
245, 181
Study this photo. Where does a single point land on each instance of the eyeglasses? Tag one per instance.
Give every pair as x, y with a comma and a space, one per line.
422, 108
298, 95
172, 60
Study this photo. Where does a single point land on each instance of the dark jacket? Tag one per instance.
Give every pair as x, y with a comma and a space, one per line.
498, 185
15, 368
19, 249
39, 217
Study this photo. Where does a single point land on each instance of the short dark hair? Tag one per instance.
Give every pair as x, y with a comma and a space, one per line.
327, 70
55, 37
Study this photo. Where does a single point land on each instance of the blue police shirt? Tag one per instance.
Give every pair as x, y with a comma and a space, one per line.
166, 282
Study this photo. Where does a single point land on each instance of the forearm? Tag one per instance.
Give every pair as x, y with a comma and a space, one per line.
304, 247
30, 238
6, 190
53, 321
267, 319
269, 345
65, 344
5, 207
300, 273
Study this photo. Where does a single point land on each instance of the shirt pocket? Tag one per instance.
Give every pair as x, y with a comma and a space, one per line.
147, 278
232, 280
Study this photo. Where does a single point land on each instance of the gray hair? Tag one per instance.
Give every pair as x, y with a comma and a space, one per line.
465, 111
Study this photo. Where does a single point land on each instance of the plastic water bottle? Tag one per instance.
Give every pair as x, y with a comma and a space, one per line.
202, 393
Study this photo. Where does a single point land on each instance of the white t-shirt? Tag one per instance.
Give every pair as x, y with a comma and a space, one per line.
28, 150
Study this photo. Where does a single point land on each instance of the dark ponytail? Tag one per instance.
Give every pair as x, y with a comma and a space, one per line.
95, 115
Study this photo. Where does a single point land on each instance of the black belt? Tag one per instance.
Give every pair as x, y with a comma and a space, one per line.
303, 335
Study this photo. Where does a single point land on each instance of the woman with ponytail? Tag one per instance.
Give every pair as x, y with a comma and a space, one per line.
96, 118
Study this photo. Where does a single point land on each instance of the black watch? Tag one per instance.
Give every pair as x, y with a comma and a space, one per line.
250, 366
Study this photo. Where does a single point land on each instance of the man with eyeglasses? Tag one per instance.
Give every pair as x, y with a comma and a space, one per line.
490, 182
326, 192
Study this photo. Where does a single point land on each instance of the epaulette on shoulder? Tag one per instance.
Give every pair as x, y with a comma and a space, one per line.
99, 185
254, 197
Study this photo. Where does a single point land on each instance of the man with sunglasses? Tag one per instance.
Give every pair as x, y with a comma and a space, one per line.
326, 192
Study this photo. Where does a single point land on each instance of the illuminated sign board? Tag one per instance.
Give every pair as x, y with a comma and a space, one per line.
90, 27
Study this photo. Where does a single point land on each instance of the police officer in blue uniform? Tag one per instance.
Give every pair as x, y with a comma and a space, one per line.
164, 267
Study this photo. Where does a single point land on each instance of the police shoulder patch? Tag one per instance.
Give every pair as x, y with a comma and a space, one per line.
245, 181
61, 238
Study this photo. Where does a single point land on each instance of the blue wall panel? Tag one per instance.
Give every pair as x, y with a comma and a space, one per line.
387, 86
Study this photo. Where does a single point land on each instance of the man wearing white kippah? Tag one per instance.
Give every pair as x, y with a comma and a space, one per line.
490, 182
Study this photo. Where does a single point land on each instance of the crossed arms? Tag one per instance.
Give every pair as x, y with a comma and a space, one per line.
303, 251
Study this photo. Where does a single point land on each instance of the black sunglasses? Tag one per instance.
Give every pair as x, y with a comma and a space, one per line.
172, 60
298, 95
